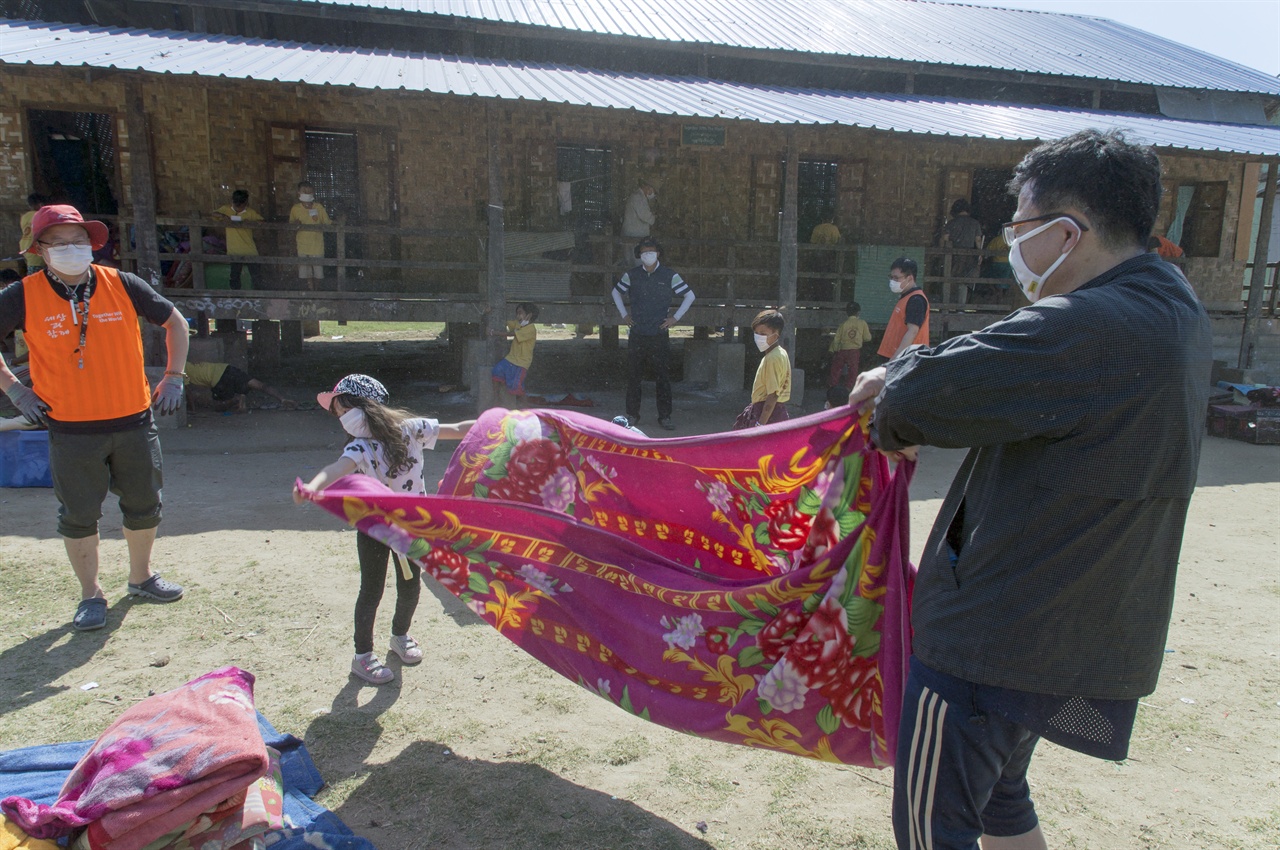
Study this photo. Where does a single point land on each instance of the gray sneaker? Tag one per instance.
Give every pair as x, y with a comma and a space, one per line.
407, 648
157, 590
369, 668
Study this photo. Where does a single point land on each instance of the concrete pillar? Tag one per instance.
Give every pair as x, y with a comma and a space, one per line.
230, 348
290, 337
731, 367
700, 361
797, 389
265, 353
609, 337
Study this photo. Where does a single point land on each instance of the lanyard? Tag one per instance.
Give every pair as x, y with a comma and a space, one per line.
83, 307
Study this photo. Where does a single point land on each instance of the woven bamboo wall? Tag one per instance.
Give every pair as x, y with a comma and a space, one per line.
422, 162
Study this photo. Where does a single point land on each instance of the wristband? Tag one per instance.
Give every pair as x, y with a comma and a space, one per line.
176, 374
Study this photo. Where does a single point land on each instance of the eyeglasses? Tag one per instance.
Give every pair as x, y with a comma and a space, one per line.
65, 244
1009, 228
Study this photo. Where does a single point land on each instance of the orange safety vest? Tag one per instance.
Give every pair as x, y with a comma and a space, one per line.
112, 383
897, 327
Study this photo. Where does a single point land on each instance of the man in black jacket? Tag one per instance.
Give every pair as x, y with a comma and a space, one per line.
649, 288
1046, 586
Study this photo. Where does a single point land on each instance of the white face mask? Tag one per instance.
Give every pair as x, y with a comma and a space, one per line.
306, 199
69, 260
353, 422
1033, 284
649, 258
762, 341
895, 286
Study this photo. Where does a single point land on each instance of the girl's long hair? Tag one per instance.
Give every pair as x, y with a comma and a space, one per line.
385, 425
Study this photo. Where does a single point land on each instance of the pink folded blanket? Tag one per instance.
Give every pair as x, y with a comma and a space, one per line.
158, 766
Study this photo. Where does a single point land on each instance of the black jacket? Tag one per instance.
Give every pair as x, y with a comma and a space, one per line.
1084, 414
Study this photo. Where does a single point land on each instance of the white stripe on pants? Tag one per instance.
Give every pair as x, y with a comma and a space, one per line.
922, 767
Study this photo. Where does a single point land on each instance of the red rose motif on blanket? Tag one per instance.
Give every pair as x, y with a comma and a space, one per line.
717, 641
777, 636
787, 528
740, 506
824, 534
531, 463
823, 650
855, 695
449, 568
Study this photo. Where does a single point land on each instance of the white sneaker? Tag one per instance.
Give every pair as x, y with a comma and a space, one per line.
369, 668
407, 648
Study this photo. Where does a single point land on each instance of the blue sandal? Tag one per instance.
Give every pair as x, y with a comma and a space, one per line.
90, 614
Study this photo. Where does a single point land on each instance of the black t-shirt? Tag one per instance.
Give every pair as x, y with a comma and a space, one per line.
149, 303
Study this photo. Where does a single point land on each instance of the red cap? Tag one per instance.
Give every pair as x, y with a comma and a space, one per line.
56, 214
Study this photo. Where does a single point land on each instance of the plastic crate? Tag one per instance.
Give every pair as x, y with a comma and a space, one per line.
24, 459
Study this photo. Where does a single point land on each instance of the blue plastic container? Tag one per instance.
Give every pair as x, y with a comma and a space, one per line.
24, 459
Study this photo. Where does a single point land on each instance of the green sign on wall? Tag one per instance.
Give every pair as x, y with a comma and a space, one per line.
697, 134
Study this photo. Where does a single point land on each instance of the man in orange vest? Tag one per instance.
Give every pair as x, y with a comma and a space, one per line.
90, 389
909, 321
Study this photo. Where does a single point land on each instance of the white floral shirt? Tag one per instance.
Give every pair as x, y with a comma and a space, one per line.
419, 435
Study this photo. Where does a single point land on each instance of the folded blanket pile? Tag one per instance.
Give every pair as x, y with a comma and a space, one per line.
159, 767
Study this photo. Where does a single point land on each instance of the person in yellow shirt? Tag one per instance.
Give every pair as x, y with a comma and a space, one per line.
826, 232
34, 202
846, 348
772, 388
239, 239
310, 242
509, 372
228, 387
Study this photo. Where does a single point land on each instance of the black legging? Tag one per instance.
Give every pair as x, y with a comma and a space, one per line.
373, 579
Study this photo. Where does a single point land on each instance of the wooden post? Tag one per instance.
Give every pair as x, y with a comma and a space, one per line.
1258, 279
788, 261
495, 280
342, 255
142, 184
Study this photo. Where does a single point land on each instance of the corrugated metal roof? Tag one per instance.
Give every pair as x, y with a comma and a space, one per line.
168, 52
906, 30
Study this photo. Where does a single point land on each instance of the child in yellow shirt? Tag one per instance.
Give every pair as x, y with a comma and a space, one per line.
509, 372
846, 348
772, 388
310, 242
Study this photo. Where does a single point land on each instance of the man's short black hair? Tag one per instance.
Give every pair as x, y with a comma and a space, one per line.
1113, 181
530, 309
906, 265
853, 308
647, 242
961, 205
239, 196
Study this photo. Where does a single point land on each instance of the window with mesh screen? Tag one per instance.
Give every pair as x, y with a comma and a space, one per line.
334, 172
586, 169
815, 195
74, 159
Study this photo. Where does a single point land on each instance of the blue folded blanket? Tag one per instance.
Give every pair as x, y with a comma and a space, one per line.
38, 773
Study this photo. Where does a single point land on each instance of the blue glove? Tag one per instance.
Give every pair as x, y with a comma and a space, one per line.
30, 405
168, 396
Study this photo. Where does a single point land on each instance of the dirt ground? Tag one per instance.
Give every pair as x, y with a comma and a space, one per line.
481, 747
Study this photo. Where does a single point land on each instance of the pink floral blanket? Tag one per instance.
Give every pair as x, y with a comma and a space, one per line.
160, 765
749, 587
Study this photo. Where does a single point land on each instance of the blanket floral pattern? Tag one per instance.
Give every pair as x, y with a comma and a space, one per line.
749, 587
